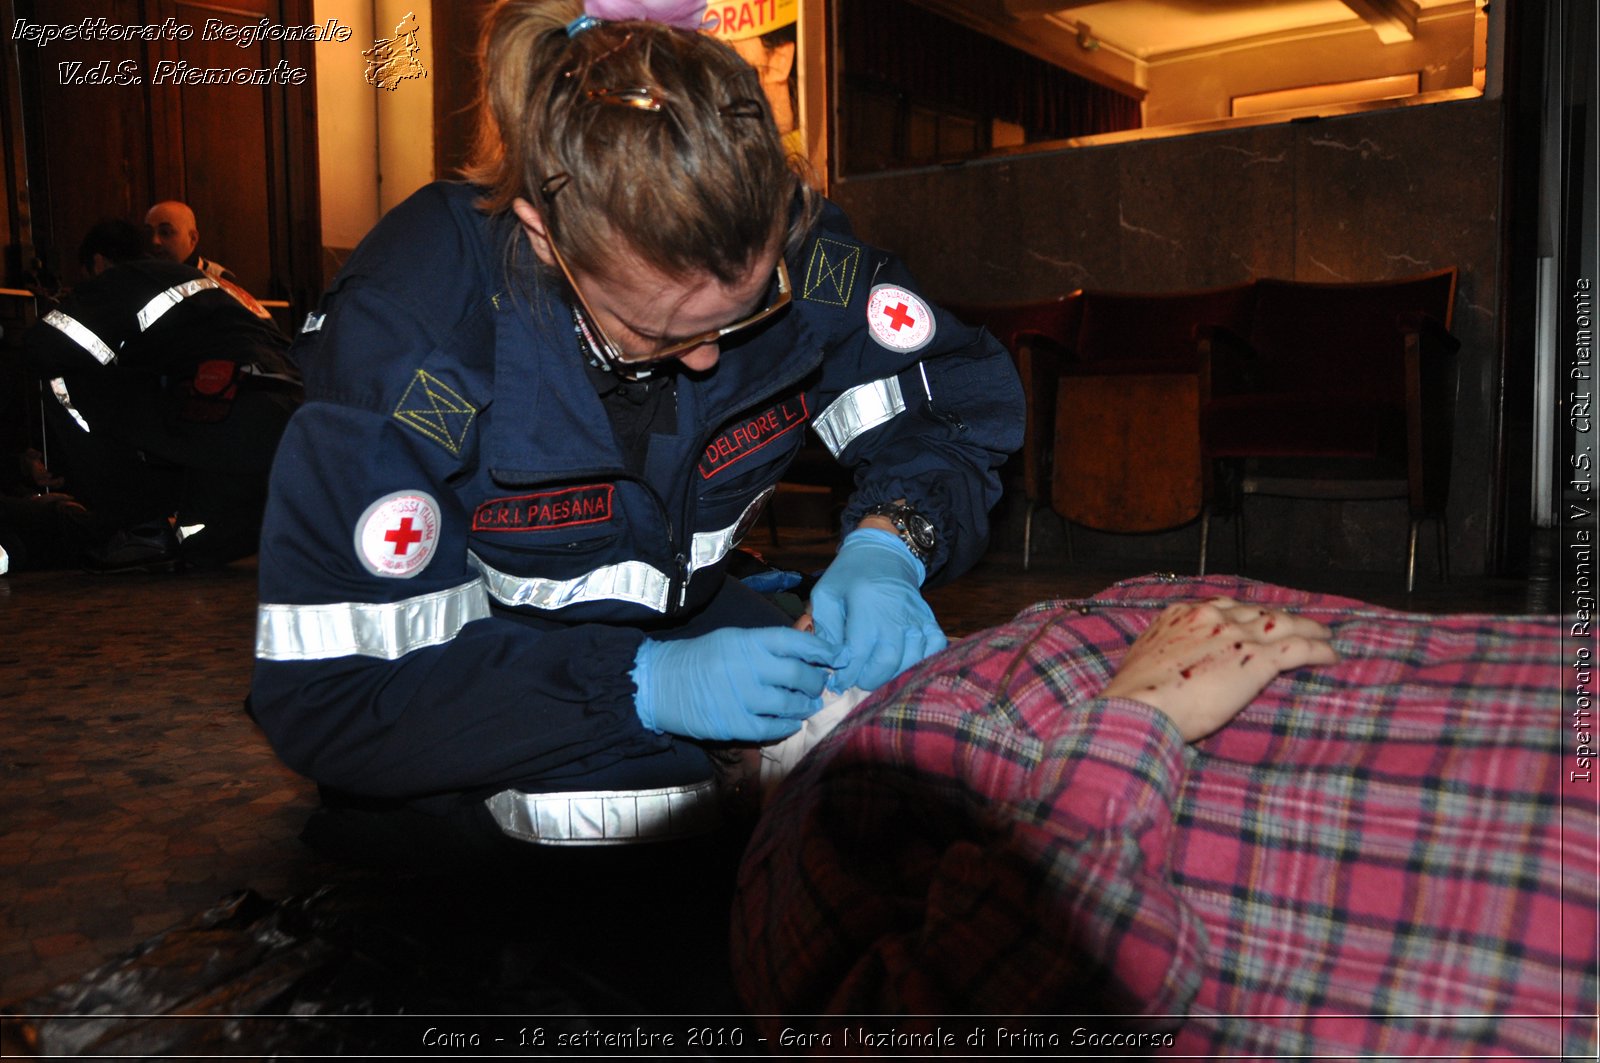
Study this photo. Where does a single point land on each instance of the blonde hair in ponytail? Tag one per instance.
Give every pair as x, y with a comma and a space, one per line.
508, 51
700, 185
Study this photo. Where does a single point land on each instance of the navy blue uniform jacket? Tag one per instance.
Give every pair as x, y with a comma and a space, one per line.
150, 347
457, 570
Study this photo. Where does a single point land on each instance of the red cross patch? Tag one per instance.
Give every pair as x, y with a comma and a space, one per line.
398, 534
899, 319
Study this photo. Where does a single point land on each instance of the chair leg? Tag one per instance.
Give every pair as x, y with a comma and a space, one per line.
1238, 534
1443, 535
1411, 555
1027, 533
1066, 530
1205, 536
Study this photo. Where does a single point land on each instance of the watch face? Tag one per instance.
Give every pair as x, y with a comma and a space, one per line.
921, 531
916, 530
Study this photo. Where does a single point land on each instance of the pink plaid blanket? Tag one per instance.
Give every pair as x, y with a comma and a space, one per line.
1384, 857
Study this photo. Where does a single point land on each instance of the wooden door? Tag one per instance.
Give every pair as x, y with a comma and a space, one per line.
242, 155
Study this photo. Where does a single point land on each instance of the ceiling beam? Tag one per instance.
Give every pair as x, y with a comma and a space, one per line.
1394, 21
1040, 8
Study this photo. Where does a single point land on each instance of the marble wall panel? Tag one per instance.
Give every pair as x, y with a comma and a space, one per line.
1063, 239
1001, 231
1206, 210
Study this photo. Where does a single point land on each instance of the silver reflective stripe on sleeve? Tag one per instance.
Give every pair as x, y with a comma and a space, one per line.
367, 629
861, 409
608, 817
58, 388
82, 335
628, 581
262, 374
172, 297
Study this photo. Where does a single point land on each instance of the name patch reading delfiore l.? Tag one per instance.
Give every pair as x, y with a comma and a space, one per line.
586, 504
750, 435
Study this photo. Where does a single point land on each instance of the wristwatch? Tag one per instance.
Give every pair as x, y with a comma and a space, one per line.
916, 531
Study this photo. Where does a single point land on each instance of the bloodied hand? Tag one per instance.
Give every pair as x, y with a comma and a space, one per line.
1202, 662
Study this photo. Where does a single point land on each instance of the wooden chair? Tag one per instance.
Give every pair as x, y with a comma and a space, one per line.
1336, 391
1127, 436
1036, 334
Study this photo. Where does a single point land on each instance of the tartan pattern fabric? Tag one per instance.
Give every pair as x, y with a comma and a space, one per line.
1384, 857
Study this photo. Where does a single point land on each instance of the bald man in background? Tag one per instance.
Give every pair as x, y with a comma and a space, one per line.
175, 236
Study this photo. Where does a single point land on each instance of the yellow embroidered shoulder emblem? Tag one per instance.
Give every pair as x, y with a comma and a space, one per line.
831, 273
436, 410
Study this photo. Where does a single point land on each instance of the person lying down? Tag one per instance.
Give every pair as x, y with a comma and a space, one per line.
1236, 818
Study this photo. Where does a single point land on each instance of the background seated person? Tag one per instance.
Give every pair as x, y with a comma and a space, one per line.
1381, 855
175, 236
171, 395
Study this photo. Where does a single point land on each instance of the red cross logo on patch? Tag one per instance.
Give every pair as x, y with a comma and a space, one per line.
899, 319
398, 534
403, 537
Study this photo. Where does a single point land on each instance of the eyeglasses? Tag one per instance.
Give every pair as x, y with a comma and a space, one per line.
609, 350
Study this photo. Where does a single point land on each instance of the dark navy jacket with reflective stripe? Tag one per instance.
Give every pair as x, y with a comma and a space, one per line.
152, 343
157, 318
506, 657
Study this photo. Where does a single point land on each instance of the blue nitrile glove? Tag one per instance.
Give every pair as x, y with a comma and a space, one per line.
870, 602
737, 684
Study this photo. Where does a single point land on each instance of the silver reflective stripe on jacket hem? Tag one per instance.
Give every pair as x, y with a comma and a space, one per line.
172, 297
82, 335
861, 409
630, 581
608, 817
366, 629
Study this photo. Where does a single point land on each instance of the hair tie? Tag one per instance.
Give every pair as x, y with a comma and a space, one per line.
581, 23
679, 14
